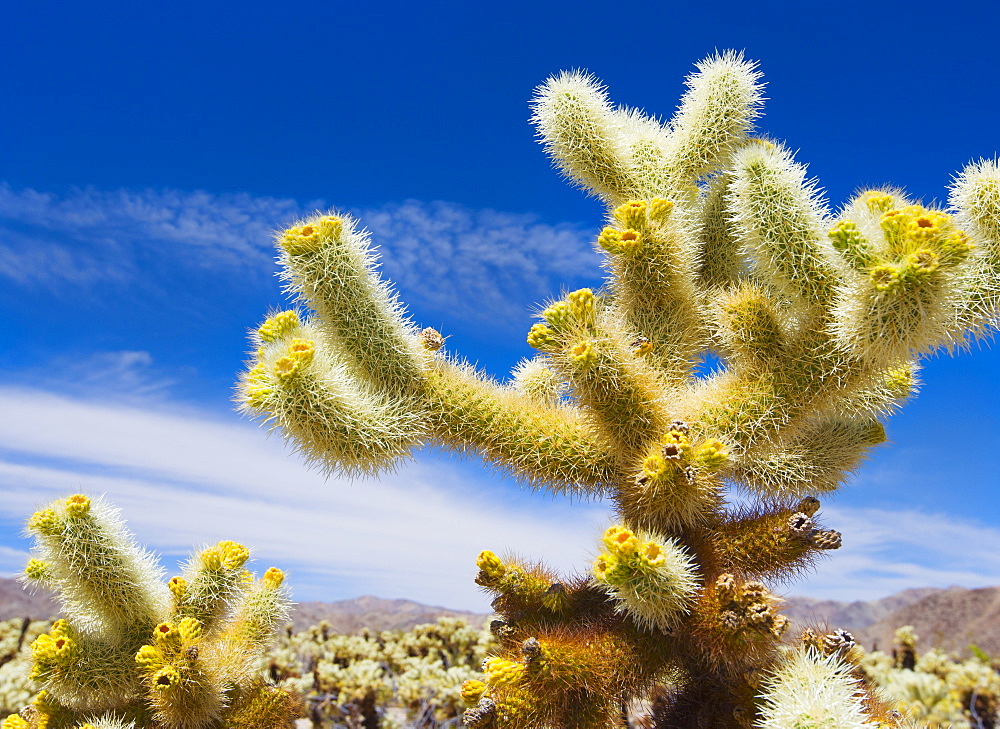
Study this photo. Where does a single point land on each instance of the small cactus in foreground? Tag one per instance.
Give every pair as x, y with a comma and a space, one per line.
716, 245
135, 653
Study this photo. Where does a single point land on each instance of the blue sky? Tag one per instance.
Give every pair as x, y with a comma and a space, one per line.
146, 152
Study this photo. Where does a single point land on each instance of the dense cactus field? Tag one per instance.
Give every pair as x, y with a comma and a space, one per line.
424, 678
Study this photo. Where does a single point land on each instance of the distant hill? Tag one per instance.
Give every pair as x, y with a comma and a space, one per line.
16, 602
852, 616
349, 616
949, 619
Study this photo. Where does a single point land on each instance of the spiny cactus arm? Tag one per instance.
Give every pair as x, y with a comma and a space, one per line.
721, 262
213, 581
750, 327
547, 446
906, 277
330, 265
336, 420
723, 98
619, 393
583, 135
82, 671
653, 269
264, 607
648, 142
816, 459
772, 543
104, 580
975, 195
782, 222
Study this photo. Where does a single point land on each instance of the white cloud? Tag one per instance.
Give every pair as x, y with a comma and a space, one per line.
475, 264
185, 479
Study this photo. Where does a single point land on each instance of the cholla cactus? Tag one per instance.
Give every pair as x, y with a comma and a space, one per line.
136, 653
716, 245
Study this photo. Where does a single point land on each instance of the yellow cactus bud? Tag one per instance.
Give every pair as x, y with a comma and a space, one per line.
273, 578
923, 262
37, 569
59, 648
878, 201
77, 506
711, 454
167, 636
472, 691
885, 277
14, 722
45, 522
583, 354
631, 241
651, 555
61, 627
604, 564
542, 338
631, 214
660, 209
178, 588
278, 325
150, 657
558, 316
620, 541
656, 467
301, 239
610, 240
581, 306
166, 678
234, 555
189, 629
491, 565
501, 672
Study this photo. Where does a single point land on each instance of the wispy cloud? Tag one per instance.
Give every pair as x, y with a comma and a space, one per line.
473, 264
184, 478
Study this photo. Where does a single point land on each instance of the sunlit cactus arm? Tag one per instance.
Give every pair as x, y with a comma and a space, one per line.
330, 265
212, 583
905, 301
546, 445
653, 267
722, 100
783, 223
583, 135
975, 195
772, 543
105, 581
338, 421
818, 458
619, 393
263, 608
84, 671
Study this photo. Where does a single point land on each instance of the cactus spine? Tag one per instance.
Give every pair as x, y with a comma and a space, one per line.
715, 243
135, 653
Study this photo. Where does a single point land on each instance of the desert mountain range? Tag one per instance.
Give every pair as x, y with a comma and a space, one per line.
949, 618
